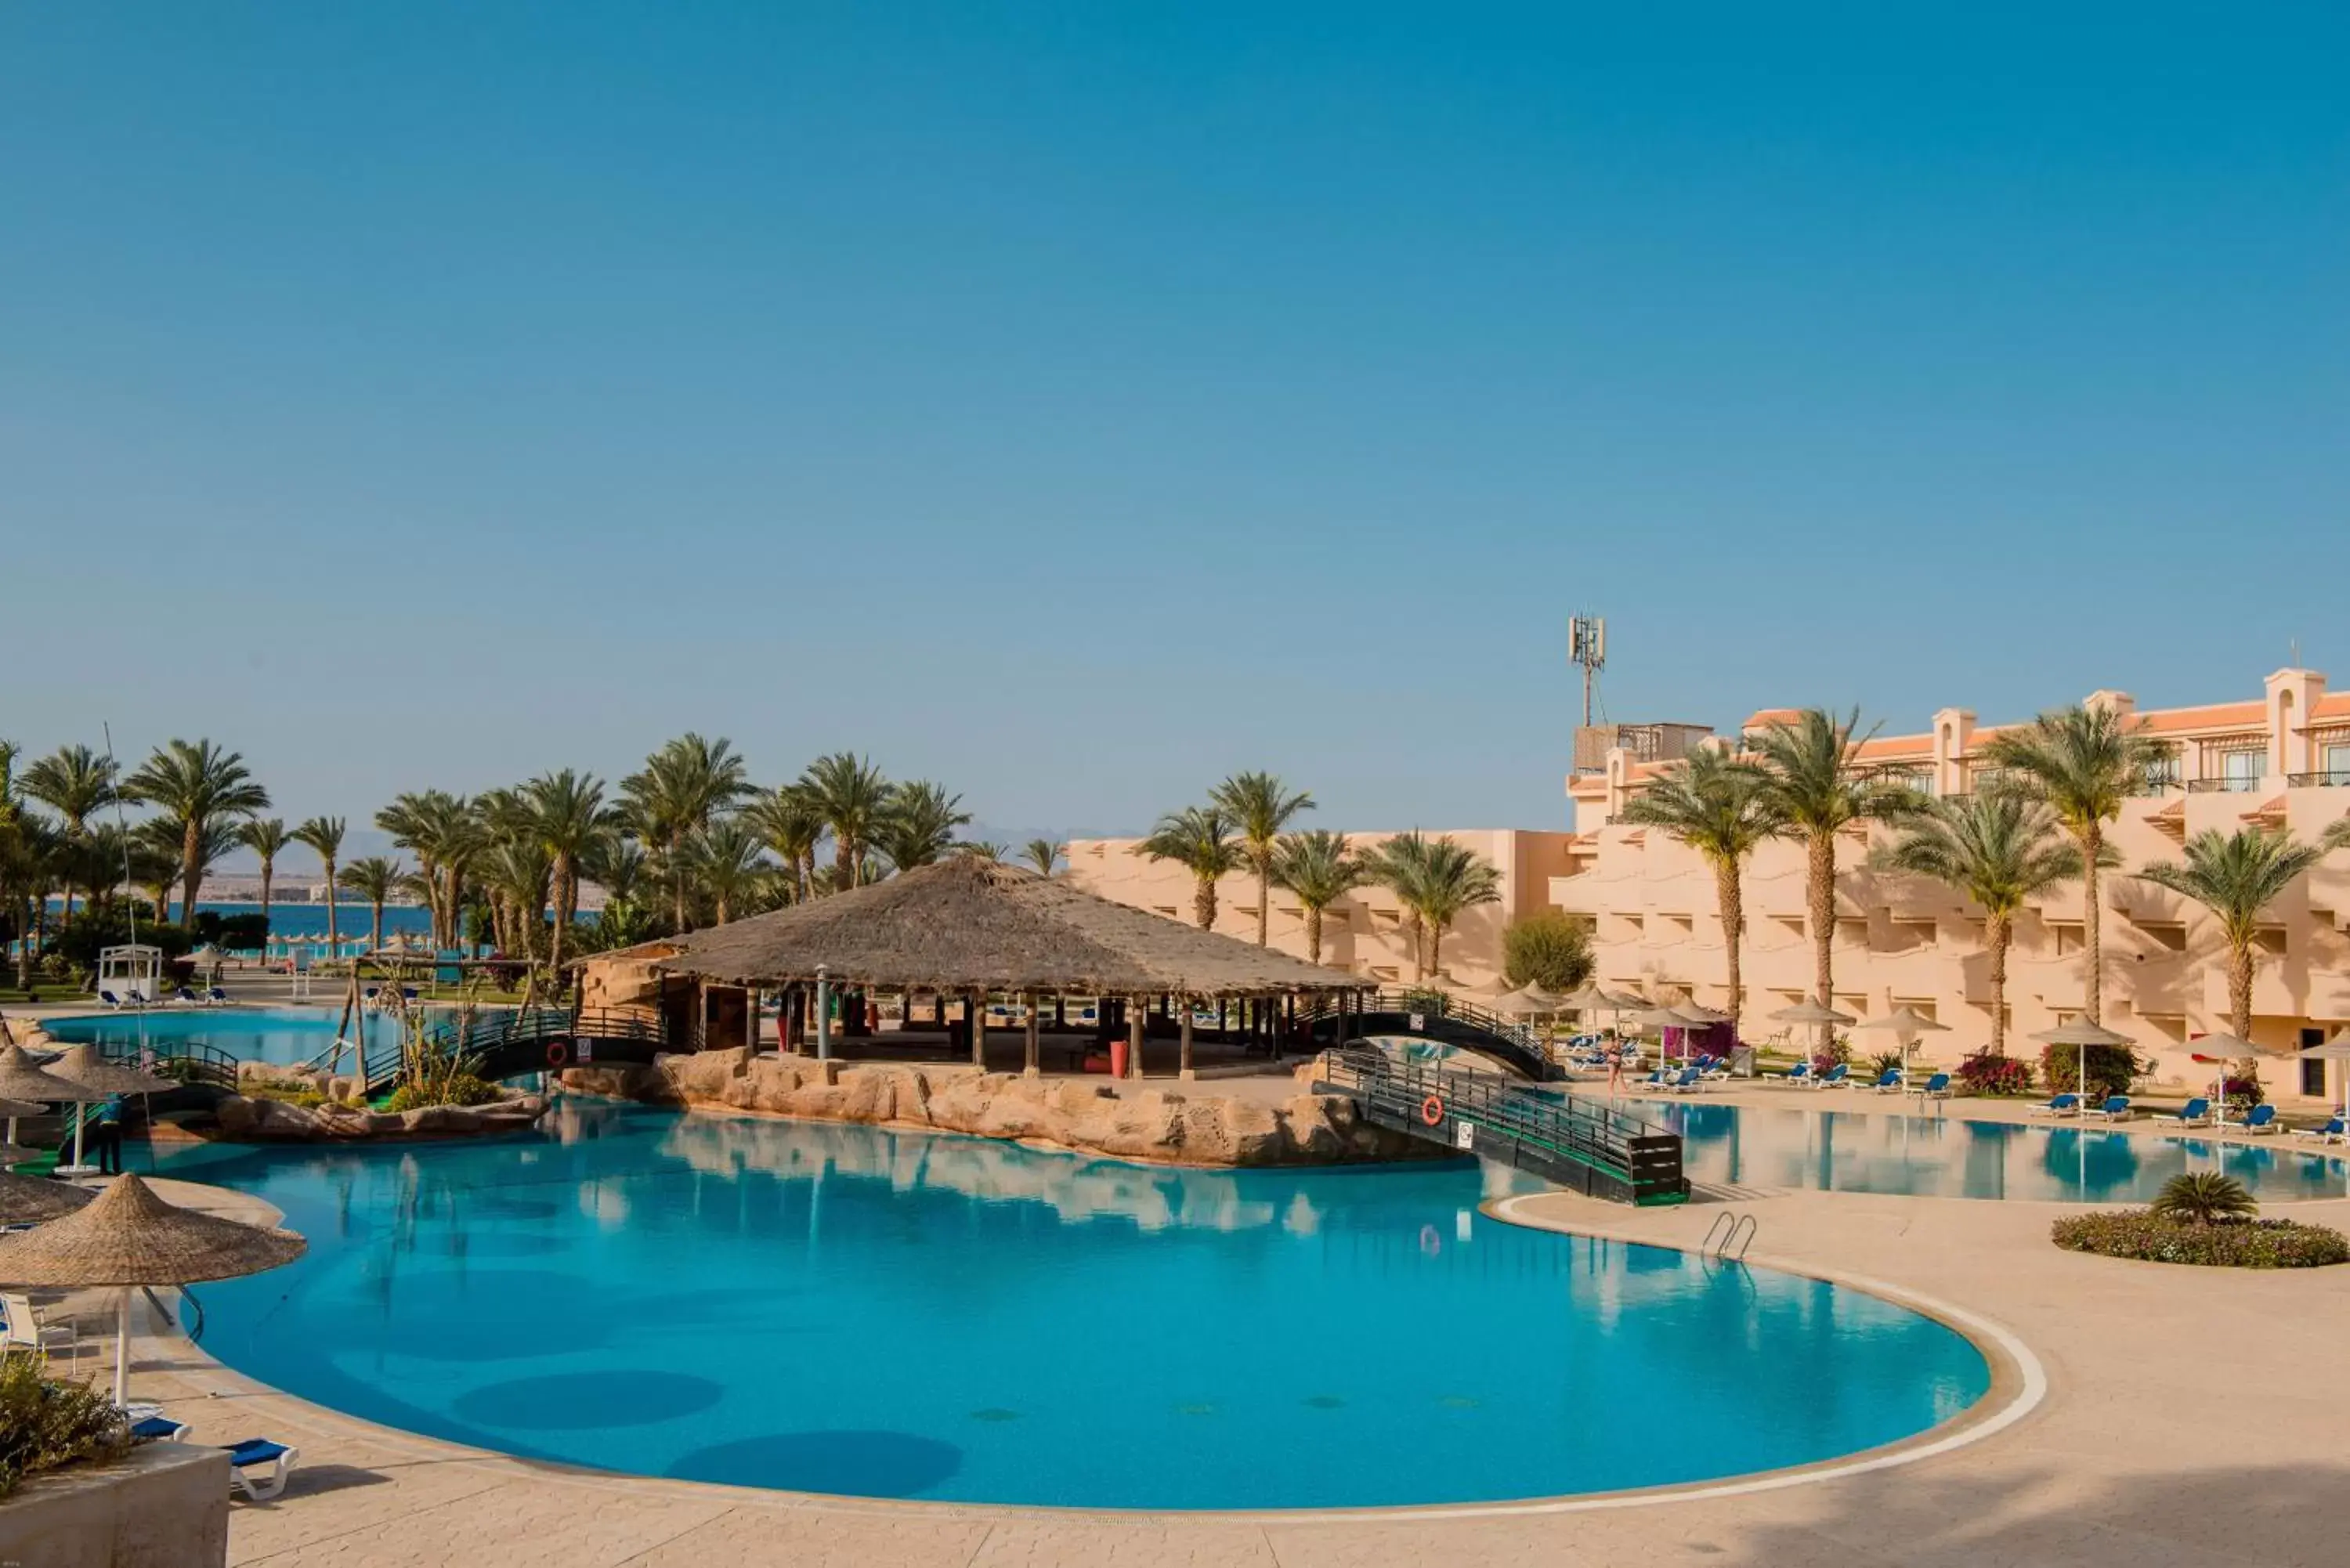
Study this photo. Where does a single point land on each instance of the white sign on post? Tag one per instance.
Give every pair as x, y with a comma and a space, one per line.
1464, 1135
586, 1050
1419, 1021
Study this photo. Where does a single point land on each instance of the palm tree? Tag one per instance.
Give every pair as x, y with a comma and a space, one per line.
1044, 854
1718, 806
918, 823
568, 814
195, 787
2084, 762
1400, 865
2236, 876
2203, 1198
516, 870
990, 850
852, 795
1455, 879
792, 821
442, 831
375, 880
1321, 868
1199, 839
616, 864
685, 785
1814, 787
152, 861
324, 835
265, 836
2000, 850
1259, 806
76, 783
726, 860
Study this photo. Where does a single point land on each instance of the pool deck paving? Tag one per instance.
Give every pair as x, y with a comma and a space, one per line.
2190, 1418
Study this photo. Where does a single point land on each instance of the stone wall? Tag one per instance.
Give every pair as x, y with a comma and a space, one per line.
1158, 1126
239, 1120
164, 1506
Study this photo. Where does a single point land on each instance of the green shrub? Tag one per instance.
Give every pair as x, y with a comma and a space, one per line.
2231, 1245
1985, 1073
45, 1425
462, 1089
2112, 1069
2203, 1198
1550, 948
301, 1094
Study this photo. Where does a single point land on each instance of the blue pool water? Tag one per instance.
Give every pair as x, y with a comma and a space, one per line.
852, 1310
1946, 1155
280, 1035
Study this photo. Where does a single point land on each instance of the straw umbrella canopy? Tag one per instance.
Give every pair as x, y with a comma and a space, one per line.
23, 1078
2335, 1050
31, 1199
2081, 1033
1906, 1024
82, 1065
1811, 1010
1528, 999
127, 1236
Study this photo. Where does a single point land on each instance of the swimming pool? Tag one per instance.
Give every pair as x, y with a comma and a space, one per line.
846, 1309
286, 1035
1946, 1155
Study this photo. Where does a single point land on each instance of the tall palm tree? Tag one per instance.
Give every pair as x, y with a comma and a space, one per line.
792, 823
852, 794
1455, 879
195, 787
1321, 867
76, 783
516, 870
682, 787
2236, 876
375, 880
2000, 850
2084, 762
1199, 839
153, 860
726, 862
568, 814
918, 822
441, 830
1402, 864
1718, 806
1815, 786
1259, 806
324, 837
616, 864
265, 836
1044, 854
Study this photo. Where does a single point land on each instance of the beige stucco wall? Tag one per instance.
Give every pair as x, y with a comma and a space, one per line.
165, 1506
1366, 932
1653, 907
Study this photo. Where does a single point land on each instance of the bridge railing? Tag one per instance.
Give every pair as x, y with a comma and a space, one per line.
1431, 1004
1577, 1129
193, 1062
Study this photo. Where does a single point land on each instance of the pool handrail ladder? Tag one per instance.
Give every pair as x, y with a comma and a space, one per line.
1442, 1019
1590, 1148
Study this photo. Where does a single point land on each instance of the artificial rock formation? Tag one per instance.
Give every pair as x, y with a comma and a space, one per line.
1161, 1126
245, 1120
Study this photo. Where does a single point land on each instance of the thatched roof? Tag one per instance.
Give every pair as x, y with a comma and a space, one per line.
966, 923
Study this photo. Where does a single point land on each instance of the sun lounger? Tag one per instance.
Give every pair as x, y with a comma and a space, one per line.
258, 1467
1832, 1077
2258, 1119
1937, 1087
110, 1000
2195, 1110
216, 997
2064, 1105
1888, 1081
159, 1429
2335, 1131
1801, 1072
1688, 1081
2116, 1108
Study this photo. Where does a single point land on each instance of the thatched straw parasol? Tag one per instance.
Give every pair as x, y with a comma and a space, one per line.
31, 1199
82, 1065
21, 1078
2081, 1033
128, 1237
1810, 1011
1906, 1024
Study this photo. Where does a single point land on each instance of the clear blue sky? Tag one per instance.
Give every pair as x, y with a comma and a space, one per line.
1076, 403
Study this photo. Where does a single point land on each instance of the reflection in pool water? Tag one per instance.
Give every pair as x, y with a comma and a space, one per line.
846, 1309
1946, 1155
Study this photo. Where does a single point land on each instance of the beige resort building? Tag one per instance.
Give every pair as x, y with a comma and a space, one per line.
2280, 758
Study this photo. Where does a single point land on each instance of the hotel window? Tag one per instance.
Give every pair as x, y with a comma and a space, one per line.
1166, 910
2334, 762
2171, 934
1851, 931
2070, 937
2161, 774
2270, 940
2241, 770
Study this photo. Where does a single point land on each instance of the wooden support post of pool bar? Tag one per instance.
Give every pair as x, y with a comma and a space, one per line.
1030, 1067
1137, 1021
1184, 1032
823, 1015
977, 1008
751, 1024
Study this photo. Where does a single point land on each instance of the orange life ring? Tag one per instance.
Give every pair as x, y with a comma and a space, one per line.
1431, 1111
557, 1052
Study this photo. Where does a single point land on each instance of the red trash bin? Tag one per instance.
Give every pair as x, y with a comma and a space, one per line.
1117, 1049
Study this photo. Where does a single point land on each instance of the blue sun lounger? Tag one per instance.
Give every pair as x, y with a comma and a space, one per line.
1801, 1072
259, 1468
2064, 1105
2195, 1110
1937, 1087
2258, 1119
2336, 1130
1832, 1077
2116, 1108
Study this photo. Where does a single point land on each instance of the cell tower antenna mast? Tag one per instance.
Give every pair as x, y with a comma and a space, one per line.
1586, 645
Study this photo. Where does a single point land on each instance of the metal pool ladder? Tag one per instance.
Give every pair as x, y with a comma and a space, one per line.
1728, 1237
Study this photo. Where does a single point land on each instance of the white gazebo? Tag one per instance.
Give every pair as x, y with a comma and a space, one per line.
133, 972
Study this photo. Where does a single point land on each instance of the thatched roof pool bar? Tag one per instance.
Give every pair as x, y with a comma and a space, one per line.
967, 929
